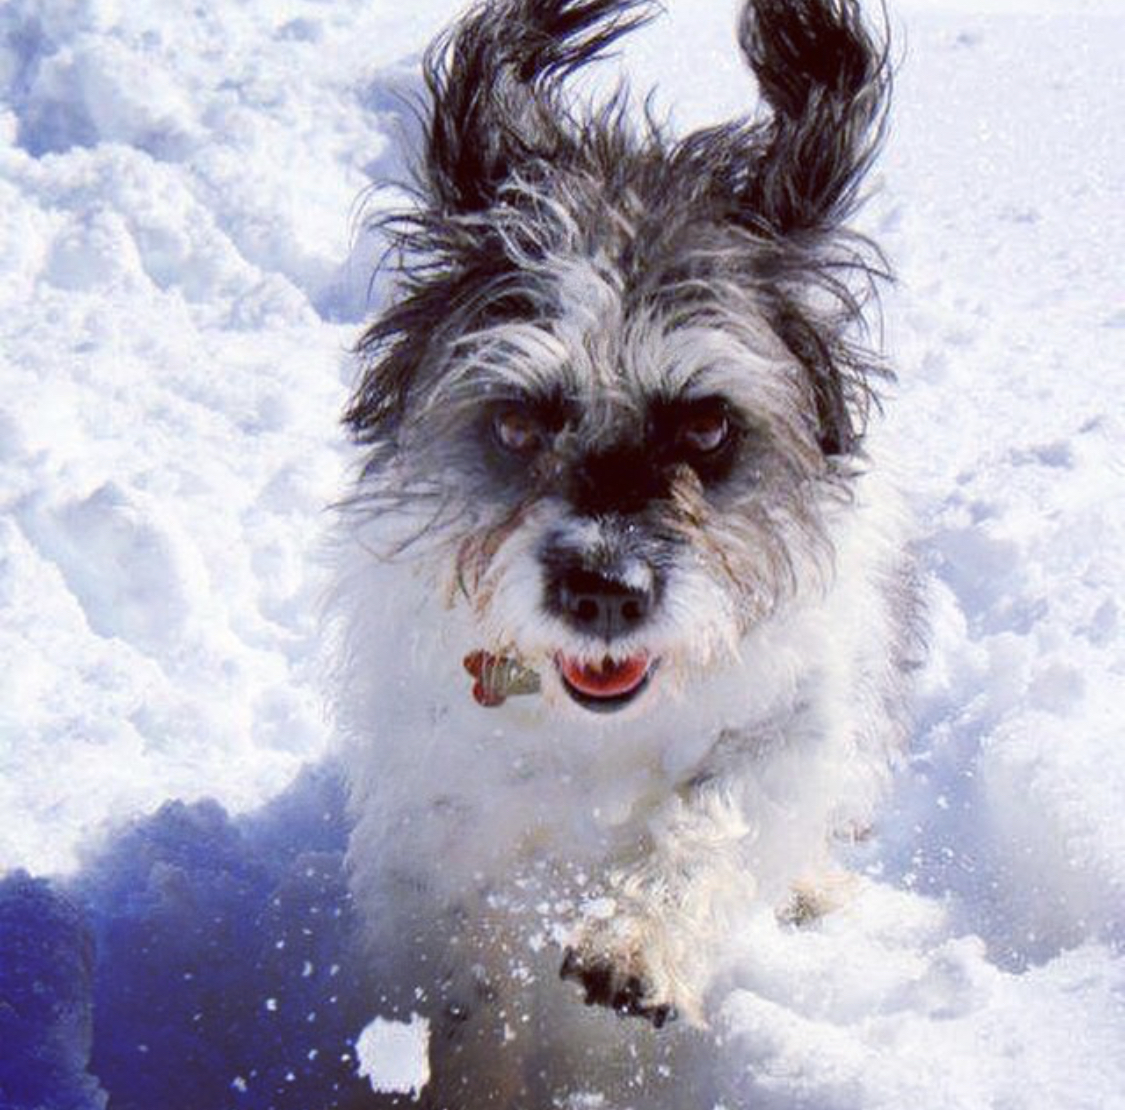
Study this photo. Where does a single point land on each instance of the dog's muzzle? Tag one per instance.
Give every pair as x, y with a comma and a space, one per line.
600, 607
607, 610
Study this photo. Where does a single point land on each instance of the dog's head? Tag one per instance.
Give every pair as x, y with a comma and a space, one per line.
621, 385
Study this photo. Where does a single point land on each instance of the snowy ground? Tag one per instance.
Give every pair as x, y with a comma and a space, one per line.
181, 273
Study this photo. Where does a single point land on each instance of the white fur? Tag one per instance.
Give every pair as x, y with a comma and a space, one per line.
635, 834
615, 412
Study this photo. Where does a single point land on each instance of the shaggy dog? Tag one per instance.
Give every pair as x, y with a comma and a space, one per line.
626, 611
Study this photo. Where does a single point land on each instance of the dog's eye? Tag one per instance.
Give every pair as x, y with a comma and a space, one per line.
517, 431
706, 431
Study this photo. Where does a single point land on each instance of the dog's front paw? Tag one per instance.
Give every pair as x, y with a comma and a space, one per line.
617, 981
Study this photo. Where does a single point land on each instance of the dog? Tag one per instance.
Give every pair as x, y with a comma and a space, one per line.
625, 609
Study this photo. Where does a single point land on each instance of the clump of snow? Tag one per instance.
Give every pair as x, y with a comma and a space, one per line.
394, 1055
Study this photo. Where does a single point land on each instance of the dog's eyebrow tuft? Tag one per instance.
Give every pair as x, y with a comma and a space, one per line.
553, 408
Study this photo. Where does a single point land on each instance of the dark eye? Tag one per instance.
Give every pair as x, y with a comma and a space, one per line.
517, 431
705, 430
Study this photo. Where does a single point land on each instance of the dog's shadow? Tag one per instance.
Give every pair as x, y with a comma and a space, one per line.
196, 961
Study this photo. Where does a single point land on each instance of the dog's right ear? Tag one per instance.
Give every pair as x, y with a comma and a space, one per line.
496, 113
494, 82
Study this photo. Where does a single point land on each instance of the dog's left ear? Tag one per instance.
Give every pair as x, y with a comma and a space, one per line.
827, 82
793, 180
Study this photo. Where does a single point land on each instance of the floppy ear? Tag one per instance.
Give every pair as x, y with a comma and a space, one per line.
494, 84
827, 84
791, 179
496, 112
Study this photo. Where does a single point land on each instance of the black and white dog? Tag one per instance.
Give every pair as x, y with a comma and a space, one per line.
626, 609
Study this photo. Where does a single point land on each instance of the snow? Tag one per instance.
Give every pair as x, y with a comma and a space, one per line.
182, 271
394, 1055
179, 295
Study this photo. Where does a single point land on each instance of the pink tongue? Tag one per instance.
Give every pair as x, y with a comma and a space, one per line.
610, 680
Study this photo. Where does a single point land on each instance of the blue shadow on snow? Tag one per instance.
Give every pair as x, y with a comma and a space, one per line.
198, 963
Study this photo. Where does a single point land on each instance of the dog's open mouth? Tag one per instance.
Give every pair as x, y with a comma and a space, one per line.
607, 685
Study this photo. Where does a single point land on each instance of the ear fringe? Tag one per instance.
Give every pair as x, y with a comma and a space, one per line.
495, 82
792, 180
827, 81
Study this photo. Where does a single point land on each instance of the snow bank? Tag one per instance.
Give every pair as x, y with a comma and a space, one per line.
225, 972
45, 984
179, 292
984, 964
1008, 330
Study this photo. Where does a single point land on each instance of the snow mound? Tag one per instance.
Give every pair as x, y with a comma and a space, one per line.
179, 290
225, 971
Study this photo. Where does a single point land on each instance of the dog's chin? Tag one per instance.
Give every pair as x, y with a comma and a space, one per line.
607, 685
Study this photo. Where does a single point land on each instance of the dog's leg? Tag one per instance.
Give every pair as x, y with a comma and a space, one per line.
453, 963
647, 947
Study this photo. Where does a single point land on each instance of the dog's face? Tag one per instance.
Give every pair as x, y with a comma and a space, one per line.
613, 403
624, 488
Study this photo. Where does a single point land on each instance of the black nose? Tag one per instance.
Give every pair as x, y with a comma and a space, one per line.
600, 606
